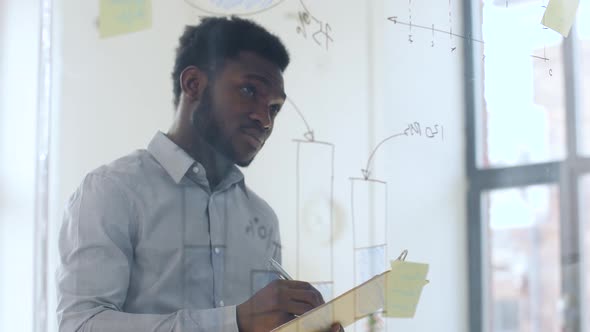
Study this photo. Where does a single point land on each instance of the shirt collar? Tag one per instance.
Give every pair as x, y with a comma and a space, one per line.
173, 158
177, 162
233, 176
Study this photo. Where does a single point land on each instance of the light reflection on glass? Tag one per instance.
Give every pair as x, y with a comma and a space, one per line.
523, 229
524, 105
583, 28
585, 247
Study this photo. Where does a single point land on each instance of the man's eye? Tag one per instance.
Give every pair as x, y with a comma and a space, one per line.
248, 90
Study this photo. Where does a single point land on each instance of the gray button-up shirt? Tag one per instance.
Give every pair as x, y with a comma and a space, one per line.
147, 245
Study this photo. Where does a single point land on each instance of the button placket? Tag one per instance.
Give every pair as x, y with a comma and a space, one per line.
218, 251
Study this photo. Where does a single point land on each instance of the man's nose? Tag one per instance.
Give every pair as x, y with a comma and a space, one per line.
261, 115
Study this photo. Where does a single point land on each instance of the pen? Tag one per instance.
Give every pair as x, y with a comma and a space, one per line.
279, 269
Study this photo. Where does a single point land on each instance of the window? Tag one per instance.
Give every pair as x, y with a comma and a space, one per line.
524, 110
522, 225
528, 168
506, 315
585, 218
584, 35
583, 28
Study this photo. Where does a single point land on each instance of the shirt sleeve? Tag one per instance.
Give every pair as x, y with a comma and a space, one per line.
96, 253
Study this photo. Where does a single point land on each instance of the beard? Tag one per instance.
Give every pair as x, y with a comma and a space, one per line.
210, 131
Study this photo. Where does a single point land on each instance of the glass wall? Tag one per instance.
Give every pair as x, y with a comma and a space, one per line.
529, 119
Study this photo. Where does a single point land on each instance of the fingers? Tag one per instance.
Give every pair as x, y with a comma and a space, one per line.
297, 308
296, 284
302, 285
298, 302
299, 299
276, 304
288, 296
336, 327
310, 297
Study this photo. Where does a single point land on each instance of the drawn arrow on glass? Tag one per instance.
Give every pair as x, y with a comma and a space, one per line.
309, 135
395, 20
366, 171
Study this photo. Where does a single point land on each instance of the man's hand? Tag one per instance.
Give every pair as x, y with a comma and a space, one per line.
336, 327
276, 304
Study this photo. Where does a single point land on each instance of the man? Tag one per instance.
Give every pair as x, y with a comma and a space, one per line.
162, 239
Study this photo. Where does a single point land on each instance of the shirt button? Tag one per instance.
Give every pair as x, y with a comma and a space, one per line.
217, 252
221, 304
196, 169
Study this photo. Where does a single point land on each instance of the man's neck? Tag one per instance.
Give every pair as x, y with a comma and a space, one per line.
215, 164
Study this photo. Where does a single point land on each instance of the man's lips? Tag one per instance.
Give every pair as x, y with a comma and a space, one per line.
254, 136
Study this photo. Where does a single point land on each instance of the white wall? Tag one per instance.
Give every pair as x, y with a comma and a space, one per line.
115, 93
19, 31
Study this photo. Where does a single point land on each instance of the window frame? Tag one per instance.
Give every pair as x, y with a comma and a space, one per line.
41, 282
565, 174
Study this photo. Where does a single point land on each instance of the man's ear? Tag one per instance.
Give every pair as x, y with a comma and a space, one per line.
193, 82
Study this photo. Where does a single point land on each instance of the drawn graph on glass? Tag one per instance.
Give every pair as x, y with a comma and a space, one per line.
314, 210
314, 214
369, 219
370, 261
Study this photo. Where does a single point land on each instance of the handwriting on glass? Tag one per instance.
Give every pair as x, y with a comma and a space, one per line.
262, 232
435, 131
320, 31
131, 10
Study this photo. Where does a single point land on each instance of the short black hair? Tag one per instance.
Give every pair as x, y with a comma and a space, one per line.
216, 39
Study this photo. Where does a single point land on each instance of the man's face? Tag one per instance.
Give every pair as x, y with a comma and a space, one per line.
237, 110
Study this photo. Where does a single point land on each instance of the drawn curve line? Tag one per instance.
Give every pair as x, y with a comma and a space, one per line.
309, 134
304, 6
366, 172
192, 3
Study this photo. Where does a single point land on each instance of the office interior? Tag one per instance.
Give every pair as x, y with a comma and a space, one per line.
456, 130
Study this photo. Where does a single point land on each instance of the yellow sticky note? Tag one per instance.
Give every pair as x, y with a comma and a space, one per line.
560, 15
403, 288
124, 16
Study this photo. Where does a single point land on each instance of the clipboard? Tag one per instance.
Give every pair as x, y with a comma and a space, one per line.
390, 290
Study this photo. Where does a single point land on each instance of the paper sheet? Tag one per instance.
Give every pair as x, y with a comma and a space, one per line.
346, 309
403, 288
397, 290
124, 16
560, 15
